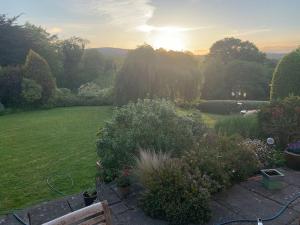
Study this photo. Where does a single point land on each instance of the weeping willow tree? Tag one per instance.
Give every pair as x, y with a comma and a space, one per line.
157, 73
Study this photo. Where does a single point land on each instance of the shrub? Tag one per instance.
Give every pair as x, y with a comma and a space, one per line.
286, 77
246, 126
281, 120
149, 124
2, 108
36, 68
90, 89
171, 194
264, 153
63, 97
229, 106
31, 91
224, 159
10, 85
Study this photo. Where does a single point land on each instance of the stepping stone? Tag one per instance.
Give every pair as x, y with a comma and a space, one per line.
48, 211
76, 201
137, 217
118, 208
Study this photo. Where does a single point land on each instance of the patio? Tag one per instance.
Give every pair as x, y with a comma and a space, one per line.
248, 200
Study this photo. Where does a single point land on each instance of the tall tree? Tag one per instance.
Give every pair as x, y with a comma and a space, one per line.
157, 73
234, 64
72, 51
229, 49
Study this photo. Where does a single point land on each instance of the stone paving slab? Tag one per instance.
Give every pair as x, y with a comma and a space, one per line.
246, 200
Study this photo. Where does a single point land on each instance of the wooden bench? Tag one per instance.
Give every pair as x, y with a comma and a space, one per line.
98, 213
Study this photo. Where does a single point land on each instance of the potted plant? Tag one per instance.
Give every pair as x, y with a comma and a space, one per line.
89, 196
124, 183
292, 155
272, 179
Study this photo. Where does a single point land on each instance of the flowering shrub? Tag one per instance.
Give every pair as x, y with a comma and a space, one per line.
225, 159
263, 152
281, 119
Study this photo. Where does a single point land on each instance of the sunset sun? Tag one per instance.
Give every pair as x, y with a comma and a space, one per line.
169, 40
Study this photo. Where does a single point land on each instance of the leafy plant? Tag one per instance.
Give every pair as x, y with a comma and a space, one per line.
246, 126
170, 193
224, 159
147, 124
281, 120
286, 77
31, 91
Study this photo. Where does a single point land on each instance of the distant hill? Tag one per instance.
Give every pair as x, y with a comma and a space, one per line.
277, 56
114, 52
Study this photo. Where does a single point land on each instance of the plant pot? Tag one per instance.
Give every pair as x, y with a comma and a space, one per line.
272, 179
292, 160
89, 199
124, 191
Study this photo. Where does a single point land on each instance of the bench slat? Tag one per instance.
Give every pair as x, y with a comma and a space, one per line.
94, 220
77, 215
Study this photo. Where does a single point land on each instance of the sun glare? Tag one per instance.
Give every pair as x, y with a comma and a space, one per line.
169, 39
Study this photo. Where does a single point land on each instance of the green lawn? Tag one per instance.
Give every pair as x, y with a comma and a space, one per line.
36, 145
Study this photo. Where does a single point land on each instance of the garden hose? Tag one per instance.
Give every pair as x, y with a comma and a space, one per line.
279, 213
19, 219
52, 187
55, 189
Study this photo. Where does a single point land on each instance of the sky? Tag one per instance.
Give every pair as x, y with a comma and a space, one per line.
193, 25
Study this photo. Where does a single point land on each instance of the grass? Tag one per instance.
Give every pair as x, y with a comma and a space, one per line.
38, 144
247, 127
212, 119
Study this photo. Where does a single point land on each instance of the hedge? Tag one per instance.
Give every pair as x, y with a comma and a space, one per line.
229, 106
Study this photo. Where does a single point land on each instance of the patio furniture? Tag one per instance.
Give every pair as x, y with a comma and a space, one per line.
98, 213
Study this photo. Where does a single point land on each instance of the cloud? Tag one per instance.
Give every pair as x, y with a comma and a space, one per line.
125, 13
248, 32
148, 28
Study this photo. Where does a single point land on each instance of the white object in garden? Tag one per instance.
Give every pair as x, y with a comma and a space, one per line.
270, 141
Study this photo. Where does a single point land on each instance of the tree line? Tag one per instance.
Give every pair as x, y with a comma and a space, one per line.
34, 65
66, 62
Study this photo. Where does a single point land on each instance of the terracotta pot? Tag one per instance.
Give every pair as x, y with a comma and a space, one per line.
292, 160
124, 191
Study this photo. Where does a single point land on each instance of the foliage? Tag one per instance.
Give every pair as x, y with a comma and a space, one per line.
233, 65
10, 85
94, 67
246, 126
286, 77
45, 142
157, 73
281, 120
36, 68
2, 108
124, 180
229, 49
149, 124
229, 106
90, 89
63, 97
251, 78
72, 50
16, 40
264, 153
169, 193
225, 159
31, 91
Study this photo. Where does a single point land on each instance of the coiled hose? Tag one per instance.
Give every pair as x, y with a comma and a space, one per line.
53, 188
279, 213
